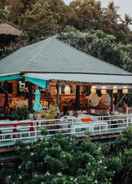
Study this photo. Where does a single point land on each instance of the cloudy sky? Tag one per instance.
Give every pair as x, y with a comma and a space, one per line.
124, 5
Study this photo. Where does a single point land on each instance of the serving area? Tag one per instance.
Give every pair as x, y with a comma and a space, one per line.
62, 90
64, 98
70, 108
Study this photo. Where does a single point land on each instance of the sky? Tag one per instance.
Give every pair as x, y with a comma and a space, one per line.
125, 6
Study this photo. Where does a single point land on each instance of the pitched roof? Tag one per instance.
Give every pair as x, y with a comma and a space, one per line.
52, 55
6, 29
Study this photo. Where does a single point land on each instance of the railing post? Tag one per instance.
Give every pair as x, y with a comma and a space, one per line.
35, 131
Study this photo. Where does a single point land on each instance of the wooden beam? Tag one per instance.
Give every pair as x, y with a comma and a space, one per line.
77, 102
30, 96
58, 100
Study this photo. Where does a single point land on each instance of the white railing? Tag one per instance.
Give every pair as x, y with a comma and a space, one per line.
31, 130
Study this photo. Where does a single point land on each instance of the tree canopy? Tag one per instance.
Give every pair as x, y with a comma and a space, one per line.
101, 45
41, 18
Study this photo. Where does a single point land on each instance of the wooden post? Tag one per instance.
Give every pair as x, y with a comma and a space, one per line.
77, 102
14, 86
111, 105
58, 96
30, 95
126, 103
6, 103
115, 102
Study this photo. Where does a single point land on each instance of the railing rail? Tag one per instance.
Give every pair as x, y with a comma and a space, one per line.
31, 130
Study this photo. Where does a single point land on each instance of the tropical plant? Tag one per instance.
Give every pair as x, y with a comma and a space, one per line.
61, 160
68, 160
101, 45
21, 113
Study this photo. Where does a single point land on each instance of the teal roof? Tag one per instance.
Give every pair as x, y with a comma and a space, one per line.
52, 55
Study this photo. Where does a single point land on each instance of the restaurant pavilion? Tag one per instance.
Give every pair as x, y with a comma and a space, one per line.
66, 77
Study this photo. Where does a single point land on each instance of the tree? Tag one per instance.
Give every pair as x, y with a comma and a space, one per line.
89, 14
17, 8
2, 3
40, 19
123, 149
61, 160
3, 11
101, 45
3, 15
44, 18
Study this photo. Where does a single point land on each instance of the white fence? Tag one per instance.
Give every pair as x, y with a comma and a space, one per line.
31, 130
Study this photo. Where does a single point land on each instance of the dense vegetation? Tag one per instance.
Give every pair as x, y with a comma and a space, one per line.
101, 45
67, 160
40, 18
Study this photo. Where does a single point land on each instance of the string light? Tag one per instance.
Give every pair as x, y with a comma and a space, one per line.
93, 89
115, 90
125, 90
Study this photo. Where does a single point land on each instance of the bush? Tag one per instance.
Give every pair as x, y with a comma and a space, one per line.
123, 142
68, 160
21, 113
124, 174
61, 160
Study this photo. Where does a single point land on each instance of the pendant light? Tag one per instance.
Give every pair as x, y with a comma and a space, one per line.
67, 90
115, 90
125, 90
93, 90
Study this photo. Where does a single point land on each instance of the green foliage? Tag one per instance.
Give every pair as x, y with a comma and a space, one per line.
21, 113
100, 45
44, 18
91, 15
127, 158
124, 173
124, 141
3, 15
17, 8
68, 160
61, 160
41, 18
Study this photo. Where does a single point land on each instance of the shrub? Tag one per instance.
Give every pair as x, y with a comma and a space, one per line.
61, 160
